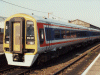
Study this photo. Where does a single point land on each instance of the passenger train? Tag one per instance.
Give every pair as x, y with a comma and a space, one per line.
28, 38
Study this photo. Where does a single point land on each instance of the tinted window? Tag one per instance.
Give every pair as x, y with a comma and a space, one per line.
57, 34
67, 34
73, 34
30, 28
78, 34
63, 34
41, 35
48, 34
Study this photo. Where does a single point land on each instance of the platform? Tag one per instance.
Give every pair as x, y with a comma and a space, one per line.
93, 68
1, 53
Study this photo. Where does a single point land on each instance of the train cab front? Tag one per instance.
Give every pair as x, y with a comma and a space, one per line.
19, 42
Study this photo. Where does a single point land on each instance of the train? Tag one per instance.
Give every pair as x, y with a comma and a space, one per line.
29, 37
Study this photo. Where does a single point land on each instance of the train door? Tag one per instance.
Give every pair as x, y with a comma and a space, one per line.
17, 41
16, 35
48, 35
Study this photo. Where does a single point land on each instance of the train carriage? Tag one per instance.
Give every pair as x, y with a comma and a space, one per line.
26, 37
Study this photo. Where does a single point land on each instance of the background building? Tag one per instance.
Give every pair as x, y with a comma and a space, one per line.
85, 24
2, 19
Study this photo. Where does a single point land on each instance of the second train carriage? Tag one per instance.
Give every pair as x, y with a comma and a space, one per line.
26, 37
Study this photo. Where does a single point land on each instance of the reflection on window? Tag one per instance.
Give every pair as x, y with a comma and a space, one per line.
57, 34
41, 35
67, 34
30, 28
81, 34
63, 34
73, 34
48, 34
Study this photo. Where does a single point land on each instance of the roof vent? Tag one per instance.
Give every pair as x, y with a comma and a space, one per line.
32, 13
44, 17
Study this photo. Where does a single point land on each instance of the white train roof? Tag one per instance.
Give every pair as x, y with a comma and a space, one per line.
94, 29
52, 21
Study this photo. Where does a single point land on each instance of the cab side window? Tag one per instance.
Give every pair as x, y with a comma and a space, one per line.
41, 35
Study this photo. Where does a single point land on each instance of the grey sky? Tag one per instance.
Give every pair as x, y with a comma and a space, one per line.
86, 10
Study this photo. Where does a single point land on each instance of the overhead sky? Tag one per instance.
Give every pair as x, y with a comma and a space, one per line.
63, 10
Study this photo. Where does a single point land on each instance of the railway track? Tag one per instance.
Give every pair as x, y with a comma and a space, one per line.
77, 59
14, 70
5, 69
19, 71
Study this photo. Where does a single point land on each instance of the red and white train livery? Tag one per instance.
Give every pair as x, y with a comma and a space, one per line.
27, 37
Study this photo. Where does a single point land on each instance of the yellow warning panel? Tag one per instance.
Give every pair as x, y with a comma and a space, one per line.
16, 37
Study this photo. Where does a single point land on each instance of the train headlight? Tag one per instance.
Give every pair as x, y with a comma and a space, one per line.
7, 42
31, 43
28, 37
32, 37
30, 40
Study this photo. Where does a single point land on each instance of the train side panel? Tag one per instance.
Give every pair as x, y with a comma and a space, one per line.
50, 43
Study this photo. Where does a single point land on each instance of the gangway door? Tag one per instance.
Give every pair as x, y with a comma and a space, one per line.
17, 41
16, 35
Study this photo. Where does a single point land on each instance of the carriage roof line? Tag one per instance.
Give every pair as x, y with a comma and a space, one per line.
60, 23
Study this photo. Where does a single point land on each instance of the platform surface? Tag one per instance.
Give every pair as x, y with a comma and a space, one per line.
1, 53
93, 68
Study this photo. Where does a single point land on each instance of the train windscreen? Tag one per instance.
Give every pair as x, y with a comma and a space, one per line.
30, 33
30, 28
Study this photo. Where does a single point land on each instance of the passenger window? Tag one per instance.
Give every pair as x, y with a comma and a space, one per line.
63, 34
78, 34
73, 34
57, 34
41, 35
83, 34
68, 33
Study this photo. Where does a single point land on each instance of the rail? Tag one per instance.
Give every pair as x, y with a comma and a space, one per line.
78, 58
